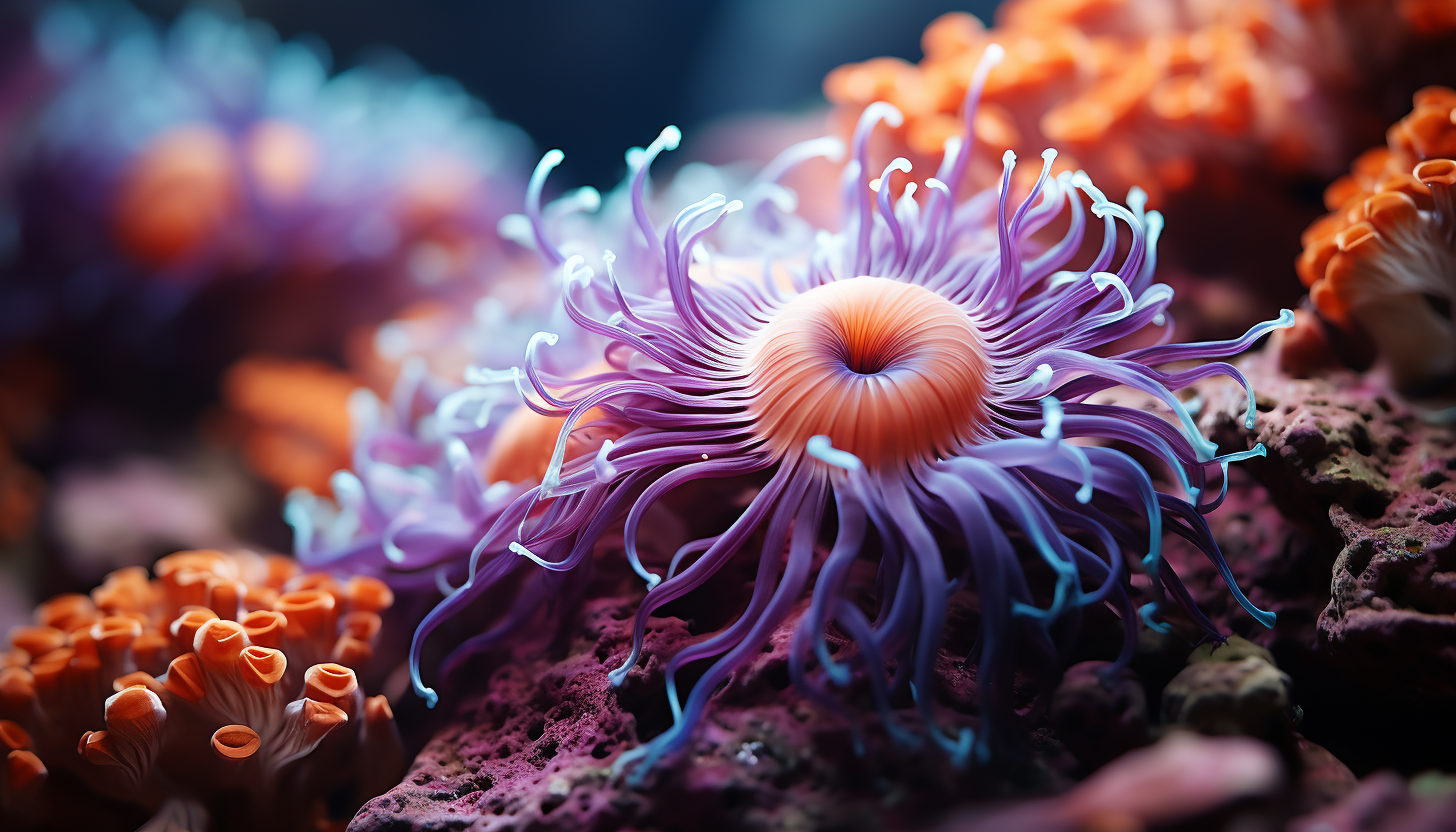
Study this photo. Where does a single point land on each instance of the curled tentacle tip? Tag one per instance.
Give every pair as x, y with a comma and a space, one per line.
995, 53
883, 110
1146, 612
552, 158
1049, 155
653, 579
1008, 159
428, 694
820, 447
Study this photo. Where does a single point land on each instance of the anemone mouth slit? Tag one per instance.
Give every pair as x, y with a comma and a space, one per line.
889, 370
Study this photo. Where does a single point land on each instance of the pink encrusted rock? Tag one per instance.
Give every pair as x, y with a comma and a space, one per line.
535, 752
1346, 531
1342, 446
1385, 802
1181, 778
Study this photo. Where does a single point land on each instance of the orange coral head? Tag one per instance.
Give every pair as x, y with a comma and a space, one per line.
1385, 259
178, 194
891, 372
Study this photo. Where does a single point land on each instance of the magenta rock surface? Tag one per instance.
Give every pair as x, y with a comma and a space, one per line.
1346, 530
1384, 802
535, 752
1181, 778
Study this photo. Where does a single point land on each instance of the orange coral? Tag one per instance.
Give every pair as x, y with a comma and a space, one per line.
237, 655
1384, 259
296, 418
1141, 92
178, 194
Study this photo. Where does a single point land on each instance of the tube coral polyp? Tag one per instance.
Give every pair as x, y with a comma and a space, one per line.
1384, 260
225, 675
924, 376
1144, 92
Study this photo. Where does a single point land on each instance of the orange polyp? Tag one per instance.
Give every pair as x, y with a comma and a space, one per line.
376, 709
37, 641
310, 613
854, 360
265, 627
66, 612
98, 748
184, 628
12, 736
48, 670
331, 683
322, 717
1390, 210
149, 651
139, 677
362, 625
260, 598
219, 643
262, 667
235, 742
179, 192
367, 594
225, 596
210, 561
125, 590
24, 770
17, 690
318, 580
134, 710
351, 652
1436, 172
185, 678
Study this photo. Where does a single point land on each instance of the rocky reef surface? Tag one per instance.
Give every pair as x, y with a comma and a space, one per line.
1346, 529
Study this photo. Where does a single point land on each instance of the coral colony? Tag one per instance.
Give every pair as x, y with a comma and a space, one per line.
930, 454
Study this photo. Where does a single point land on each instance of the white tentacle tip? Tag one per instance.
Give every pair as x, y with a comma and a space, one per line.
820, 447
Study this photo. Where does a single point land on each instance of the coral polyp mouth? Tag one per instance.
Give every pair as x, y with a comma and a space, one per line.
889, 371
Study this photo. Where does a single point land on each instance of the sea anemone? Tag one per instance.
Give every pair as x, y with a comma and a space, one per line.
1154, 93
226, 676
1383, 263
449, 452
927, 378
